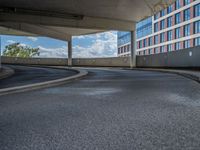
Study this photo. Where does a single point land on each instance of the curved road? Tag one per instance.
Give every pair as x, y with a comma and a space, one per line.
28, 75
109, 109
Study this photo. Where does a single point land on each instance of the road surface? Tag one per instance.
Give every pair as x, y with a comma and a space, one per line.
108, 110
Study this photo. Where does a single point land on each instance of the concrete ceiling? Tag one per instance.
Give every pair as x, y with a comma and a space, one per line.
76, 17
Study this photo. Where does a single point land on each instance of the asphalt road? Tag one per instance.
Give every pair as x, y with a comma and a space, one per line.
28, 75
108, 110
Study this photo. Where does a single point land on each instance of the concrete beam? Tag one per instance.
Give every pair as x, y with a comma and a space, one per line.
86, 22
36, 29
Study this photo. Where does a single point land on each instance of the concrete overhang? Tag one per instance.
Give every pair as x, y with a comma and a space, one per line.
64, 18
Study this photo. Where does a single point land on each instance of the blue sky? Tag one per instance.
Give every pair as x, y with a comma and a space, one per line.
95, 45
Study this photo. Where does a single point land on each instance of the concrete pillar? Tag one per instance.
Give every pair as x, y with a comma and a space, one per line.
70, 52
133, 49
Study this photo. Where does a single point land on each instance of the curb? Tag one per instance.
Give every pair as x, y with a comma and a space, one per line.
178, 72
24, 88
6, 72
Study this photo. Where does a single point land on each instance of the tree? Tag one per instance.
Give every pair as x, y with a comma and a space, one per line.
18, 50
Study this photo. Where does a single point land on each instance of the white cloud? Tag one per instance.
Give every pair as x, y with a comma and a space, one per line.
32, 38
53, 52
11, 41
103, 45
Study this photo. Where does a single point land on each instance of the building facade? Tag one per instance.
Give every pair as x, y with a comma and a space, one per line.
174, 28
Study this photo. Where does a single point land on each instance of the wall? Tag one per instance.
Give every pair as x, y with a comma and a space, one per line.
182, 58
110, 62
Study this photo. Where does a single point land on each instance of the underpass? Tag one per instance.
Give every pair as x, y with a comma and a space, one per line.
108, 109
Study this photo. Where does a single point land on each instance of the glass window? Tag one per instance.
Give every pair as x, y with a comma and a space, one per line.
150, 41
170, 9
197, 27
156, 39
156, 16
197, 10
177, 33
169, 35
186, 2
177, 18
156, 27
162, 37
170, 47
169, 21
157, 50
162, 13
187, 14
187, 44
177, 46
145, 42
151, 51
162, 49
140, 44
177, 4
162, 24
187, 30
197, 41
123, 38
144, 28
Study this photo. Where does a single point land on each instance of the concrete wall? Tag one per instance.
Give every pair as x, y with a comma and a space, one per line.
110, 62
182, 58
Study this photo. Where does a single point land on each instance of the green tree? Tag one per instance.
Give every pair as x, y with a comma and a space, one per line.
18, 50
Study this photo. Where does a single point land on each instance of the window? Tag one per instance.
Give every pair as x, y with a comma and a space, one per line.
156, 27
187, 30
197, 27
186, 2
162, 49
156, 16
162, 13
169, 35
145, 42
170, 47
177, 4
162, 24
156, 39
197, 41
150, 41
144, 27
177, 33
177, 45
169, 21
162, 37
177, 18
170, 9
140, 44
157, 50
186, 14
151, 51
197, 10
187, 44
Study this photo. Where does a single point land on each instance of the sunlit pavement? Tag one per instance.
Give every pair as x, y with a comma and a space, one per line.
109, 109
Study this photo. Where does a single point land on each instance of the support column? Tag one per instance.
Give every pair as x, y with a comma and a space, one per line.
70, 52
133, 50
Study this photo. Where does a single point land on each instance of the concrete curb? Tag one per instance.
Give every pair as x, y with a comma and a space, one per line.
24, 88
184, 73
6, 72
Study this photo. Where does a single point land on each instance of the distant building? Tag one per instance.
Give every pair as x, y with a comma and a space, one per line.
174, 28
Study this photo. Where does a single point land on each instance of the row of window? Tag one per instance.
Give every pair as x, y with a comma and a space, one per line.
124, 49
169, 9
170, 47
187, 15
188, 29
